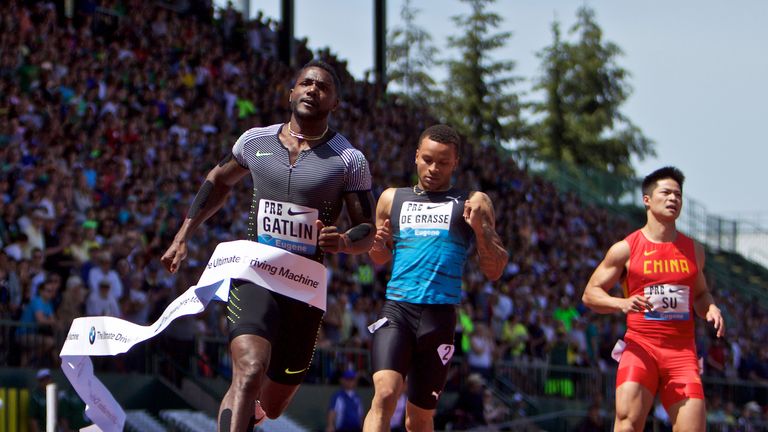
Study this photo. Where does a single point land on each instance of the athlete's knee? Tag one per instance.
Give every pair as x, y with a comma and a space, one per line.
249, 375
386, 397
418, 422
626, 424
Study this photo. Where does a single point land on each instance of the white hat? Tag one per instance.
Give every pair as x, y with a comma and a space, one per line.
73, 281
752, 406
476, 378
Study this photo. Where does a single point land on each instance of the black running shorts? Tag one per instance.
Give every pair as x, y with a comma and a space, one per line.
417, 341
290, 325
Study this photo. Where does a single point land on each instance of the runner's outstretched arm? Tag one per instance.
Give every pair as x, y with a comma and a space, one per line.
209, 199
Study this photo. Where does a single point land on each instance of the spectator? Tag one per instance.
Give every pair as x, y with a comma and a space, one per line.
39, 325
102, 302
345, 409
71, 412
502, 309
38, 401
469, 410
566, 313
514, 337
19, 248
594, 422
750, 419
493, 410
537, 339
716, 358
72, 302
483, 347
103, 271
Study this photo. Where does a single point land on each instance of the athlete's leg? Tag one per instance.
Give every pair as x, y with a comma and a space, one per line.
275, 397
250, 359
391, 353
636, 383
633, 403
292, 352
388, 385
688, 415
431, 362
253, 317
681, 391
419, 419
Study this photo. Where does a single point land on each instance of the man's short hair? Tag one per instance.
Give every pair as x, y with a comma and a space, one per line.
443, 134
326, 67
667, 172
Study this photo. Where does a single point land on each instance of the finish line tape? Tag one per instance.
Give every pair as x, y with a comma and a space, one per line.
273, 268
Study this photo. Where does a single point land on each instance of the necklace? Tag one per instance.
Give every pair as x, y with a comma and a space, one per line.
306, 137
418, 191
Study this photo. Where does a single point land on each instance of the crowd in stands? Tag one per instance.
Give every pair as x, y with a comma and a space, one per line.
110, 119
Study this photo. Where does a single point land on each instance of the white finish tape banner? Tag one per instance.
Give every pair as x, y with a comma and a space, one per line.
275, 269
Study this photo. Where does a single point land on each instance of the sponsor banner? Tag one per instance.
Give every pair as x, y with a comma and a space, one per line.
100, 406
275, 269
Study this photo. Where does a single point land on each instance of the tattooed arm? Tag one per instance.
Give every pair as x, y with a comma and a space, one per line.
211, 196
493, 257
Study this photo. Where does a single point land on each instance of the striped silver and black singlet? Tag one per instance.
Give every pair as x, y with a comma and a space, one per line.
287, 198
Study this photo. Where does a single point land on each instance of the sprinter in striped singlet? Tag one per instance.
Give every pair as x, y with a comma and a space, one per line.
303, 174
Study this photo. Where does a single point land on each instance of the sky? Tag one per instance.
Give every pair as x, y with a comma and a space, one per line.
699, 74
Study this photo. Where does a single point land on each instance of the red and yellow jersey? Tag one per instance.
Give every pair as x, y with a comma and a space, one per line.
666, 274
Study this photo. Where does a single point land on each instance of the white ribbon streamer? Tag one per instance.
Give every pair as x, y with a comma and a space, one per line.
273, 268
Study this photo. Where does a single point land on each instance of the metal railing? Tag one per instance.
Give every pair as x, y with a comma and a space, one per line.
539, 379
29, 344
518, 384
532, 379
326, 364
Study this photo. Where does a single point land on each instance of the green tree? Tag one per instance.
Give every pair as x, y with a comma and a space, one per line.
584, 88
550, 134
478, 97
410, 56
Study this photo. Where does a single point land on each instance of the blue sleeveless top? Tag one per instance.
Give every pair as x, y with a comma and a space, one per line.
431, 240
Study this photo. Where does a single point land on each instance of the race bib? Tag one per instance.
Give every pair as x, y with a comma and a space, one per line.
420, 219
670, 302
287, 226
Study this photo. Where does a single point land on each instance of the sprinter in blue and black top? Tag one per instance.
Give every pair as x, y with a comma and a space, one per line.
303, 175
426, 231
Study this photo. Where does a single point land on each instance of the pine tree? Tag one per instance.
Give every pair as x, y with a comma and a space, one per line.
478, 97
550, 135
585, 88
410, 56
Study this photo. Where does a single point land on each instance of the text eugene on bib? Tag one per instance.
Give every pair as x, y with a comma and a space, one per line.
287, 226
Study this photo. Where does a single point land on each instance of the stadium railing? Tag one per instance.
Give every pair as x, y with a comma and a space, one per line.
531, 379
